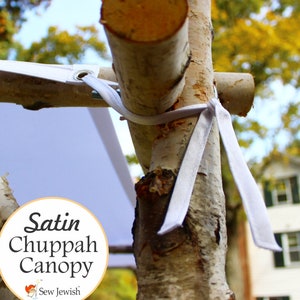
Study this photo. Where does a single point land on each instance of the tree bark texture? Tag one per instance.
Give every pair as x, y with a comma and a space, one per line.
8, 205
189, 262
150, 70
37, 93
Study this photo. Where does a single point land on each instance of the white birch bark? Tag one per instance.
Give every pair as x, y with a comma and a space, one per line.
8, 205
189, 262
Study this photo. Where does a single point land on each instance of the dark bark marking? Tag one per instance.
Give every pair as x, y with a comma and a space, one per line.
153, 195
37, 105
217, 231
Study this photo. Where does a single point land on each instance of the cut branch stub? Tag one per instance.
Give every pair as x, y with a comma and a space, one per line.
236, 92
133, 19
149, 44
149, 57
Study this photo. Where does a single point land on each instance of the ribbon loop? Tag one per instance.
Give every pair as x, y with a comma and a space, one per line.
113, 99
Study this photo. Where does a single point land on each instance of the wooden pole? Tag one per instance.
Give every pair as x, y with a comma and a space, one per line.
236, 91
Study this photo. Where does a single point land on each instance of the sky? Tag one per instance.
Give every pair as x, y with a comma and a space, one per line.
268, 113
66, 14
58, 152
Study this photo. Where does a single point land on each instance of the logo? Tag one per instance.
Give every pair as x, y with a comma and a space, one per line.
53, 248
31, 291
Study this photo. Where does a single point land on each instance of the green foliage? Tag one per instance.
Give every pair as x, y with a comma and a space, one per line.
226, 11
258, 36
118, 284
6, 26
12, 17
132, 159
248, 130
57, 47
293, 148
7, 30
291, 119
17, 8
62, 47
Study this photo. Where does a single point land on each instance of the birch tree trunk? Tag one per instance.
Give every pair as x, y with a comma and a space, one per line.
8, 205
189, 262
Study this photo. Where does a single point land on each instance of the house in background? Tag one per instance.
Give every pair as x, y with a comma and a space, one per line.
276, 276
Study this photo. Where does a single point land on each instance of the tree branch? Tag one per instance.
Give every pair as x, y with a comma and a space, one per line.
236, 91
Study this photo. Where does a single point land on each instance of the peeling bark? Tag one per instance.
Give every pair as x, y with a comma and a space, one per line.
189, 262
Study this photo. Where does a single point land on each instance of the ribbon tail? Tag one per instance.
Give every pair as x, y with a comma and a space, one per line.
253, 202
184, 184
109, 138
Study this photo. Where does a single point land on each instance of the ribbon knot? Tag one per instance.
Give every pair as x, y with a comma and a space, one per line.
211, 105
252, 199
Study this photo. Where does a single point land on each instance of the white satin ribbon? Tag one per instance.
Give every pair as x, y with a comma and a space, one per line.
113, 99
107, 133
252, 199
186, 176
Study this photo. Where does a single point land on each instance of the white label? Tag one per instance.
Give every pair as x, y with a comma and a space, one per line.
53, 248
